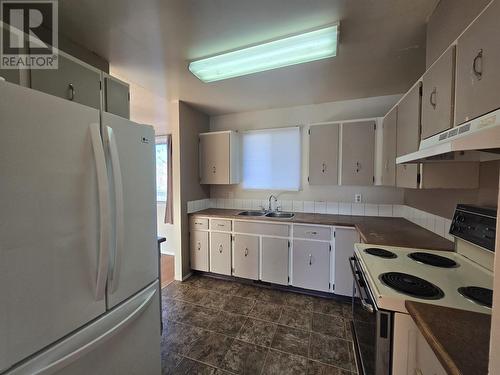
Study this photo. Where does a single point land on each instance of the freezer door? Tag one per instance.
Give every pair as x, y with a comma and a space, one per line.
124, 341
131, 165
50, 220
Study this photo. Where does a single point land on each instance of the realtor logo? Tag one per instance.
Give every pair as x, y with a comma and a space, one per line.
29, 34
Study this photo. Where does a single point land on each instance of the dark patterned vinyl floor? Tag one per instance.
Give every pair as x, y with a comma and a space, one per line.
221, 327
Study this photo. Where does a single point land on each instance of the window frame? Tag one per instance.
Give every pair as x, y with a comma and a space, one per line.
161, 140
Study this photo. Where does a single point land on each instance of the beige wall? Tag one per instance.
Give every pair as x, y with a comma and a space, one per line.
191, 123
304, 115
446, 23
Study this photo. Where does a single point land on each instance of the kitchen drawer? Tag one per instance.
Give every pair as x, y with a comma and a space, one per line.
220, 225
266, 229
312, 232
199, 223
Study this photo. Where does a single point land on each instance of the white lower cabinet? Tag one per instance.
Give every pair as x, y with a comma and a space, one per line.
345, 238
220, 253
199, 250
412, 354
274, 267
311, 265
246, 256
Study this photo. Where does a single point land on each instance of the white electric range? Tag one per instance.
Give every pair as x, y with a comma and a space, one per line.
386, 276
438, 285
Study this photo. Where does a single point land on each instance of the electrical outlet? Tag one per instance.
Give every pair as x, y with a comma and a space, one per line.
357, 198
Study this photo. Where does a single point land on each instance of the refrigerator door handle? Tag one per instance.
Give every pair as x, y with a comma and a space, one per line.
104, 214
62, 355
119, 217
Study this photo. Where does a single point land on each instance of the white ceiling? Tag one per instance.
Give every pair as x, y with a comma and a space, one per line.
150, 42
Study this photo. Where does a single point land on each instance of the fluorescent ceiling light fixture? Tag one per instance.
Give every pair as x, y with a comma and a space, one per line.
297, 49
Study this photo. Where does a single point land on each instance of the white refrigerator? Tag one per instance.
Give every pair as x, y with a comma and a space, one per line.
79, 291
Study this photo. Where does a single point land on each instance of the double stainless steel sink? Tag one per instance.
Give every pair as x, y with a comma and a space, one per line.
276, 214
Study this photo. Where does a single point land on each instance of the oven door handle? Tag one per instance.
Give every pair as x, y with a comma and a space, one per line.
366, 306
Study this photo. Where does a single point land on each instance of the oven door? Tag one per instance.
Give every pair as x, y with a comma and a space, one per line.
371, 327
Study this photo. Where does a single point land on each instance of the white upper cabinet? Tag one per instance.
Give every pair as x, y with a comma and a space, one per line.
408, 124
478, 62
116, 98
437, 95
389, 124
323, 154
219, 158
408, 135
73, 80
357, 153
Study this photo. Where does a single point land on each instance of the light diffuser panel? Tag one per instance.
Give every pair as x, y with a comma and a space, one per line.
310, 46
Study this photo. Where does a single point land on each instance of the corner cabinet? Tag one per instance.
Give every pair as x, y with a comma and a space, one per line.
323, 154
357, 164
219, 158
478, 61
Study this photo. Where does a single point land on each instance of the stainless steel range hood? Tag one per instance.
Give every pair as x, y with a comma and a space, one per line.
477, 140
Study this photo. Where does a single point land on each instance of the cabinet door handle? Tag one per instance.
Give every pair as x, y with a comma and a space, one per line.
199, 246
479, 58
310, 259
323, 169
358, 166
220, 248
433, 98
214, 170
72, 92
246, 251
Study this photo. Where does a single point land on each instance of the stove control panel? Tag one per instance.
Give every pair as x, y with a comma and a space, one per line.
475, 224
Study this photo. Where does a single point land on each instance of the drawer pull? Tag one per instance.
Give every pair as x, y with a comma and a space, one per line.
246, 251
478, 58
220, 248
220, 225
312, 232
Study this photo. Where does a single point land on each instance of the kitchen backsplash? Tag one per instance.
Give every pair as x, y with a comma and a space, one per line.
434, 223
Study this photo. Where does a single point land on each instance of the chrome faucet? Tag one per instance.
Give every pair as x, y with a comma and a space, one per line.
270, 204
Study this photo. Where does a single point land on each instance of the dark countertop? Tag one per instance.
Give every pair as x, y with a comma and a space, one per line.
389, 231
460, 339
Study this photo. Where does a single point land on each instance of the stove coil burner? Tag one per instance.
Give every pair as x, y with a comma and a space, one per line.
433, 260
411, 285
481, 296
380, 252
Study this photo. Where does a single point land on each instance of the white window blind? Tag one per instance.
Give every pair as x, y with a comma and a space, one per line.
271, 159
